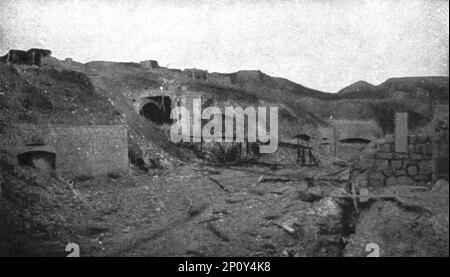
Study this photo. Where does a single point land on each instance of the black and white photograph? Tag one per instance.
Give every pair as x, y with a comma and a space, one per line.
226, 128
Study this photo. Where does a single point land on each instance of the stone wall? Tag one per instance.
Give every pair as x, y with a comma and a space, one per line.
415, 167
79, 150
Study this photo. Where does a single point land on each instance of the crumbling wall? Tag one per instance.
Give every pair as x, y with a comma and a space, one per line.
149, 64
416, 167
196, 74
31, 57
220, 79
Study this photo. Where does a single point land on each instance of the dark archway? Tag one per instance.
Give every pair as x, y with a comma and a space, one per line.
351, 148
355, 140
42, 160
157, 109
303, 137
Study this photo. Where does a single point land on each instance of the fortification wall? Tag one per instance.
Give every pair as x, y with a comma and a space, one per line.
419, 166
79, 150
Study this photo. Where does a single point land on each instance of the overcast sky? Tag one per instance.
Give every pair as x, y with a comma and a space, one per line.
324, 45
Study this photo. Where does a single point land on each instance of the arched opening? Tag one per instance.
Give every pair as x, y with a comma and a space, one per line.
355, 140
351, 148
303, 137
42, 160
157, 109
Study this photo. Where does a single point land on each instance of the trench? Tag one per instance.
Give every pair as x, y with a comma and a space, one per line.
349, 222
345, 228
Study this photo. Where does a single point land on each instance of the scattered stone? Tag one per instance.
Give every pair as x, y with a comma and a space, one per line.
237, 198
441, 186
327, 207
411, 170
217, 232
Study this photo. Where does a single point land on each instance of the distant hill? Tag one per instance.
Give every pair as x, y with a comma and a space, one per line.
359, 101
360, 89
435, 87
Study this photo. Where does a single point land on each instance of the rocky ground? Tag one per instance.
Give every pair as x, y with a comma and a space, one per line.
206, 210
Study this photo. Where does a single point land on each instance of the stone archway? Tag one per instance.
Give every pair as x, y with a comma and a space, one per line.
43, 160
350, 148
157, 109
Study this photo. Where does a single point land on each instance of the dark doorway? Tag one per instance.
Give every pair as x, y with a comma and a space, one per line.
355, 140
350, 148
42, 160
158, 109
303, 137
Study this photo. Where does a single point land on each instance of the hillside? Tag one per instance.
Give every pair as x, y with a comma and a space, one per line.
51, 96
435, 87
121, 83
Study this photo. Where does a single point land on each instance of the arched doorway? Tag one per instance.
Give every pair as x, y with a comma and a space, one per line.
39, 159
157, 109
350, 148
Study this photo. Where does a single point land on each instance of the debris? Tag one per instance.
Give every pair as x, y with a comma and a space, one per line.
256, 191
260, 179
400, 231
190, 204
286, 227
327, 207
263, 179
355, 186
441, 186
196, 209
307, 196
343, 176
215, 230
219, 184
272, 216
363, 192
214, 218
281, 191
77, 194
236, 198
221, 211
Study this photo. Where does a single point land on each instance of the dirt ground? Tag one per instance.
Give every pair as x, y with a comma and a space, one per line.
189, 211
201, 210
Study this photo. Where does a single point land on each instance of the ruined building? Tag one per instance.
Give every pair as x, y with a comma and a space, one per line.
71, 151
31, 57
149, 64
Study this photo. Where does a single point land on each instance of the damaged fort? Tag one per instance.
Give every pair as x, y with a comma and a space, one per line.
86, 157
